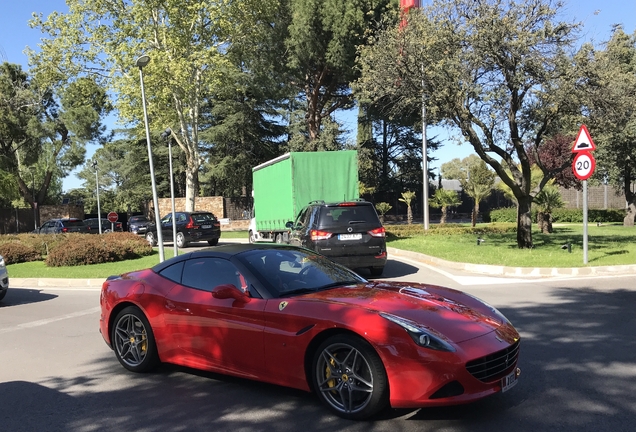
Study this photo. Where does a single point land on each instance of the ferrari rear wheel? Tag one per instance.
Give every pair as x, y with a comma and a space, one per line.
349, 377
133, 341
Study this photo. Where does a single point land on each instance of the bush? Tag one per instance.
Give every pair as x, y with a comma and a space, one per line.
15, 252
561, 215
83, 249
404, 231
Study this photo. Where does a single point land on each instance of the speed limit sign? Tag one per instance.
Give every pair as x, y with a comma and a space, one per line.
583, 165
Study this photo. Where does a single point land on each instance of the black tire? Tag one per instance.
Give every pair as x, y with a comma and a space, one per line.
3, 293
133, 341
349, 377
150, 238
181, 241
376, 271
213, 242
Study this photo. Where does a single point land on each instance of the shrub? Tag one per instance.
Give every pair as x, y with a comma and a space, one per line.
15, 252
560, 215
403, 231
83, 249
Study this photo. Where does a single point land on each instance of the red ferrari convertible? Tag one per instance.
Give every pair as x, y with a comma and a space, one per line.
289, 316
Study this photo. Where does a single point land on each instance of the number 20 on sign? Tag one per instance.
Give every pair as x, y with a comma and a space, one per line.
583, 165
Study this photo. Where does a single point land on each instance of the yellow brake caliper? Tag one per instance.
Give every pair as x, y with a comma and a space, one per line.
332, 382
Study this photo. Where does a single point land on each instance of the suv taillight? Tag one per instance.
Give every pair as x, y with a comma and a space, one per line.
378, 232
347, 204
64, 229
319, 235
191, 225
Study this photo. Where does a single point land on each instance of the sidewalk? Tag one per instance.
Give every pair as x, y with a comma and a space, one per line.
481, 269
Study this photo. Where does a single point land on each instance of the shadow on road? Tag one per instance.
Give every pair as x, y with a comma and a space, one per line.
20, 296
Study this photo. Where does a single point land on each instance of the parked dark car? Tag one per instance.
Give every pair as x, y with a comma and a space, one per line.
138, 224
349, 233
93, 224
63, 225
191, 227
4, 279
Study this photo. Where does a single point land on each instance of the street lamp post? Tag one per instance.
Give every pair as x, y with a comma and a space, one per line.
167, 135
141, 62
99, 210
35, 204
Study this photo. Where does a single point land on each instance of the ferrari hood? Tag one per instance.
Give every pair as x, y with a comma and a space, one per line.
456, 315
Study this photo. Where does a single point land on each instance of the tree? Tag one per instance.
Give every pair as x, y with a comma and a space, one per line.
444, 199
547, 200
383, 208
496, 71
324, 36
44, 129
610, 94
407, 198
187, 42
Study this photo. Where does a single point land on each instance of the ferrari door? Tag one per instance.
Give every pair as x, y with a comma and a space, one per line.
224, 334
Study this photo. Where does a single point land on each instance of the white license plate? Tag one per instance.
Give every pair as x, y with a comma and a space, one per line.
349, 236
206, 226
509, 381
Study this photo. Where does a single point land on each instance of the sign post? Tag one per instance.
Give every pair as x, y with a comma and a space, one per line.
583, 167
112, 218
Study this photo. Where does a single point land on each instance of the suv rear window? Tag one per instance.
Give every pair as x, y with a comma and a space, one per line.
202, 217
338, 216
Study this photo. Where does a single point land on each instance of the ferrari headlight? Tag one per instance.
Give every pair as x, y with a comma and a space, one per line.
421, 335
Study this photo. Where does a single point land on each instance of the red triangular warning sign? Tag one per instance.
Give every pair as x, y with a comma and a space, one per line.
583, 141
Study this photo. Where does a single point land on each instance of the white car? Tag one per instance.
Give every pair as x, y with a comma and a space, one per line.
4, 278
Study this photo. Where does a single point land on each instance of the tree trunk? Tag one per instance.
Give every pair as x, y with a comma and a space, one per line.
191, 187
473, 217
524, 223
409, 215
443, 219
628, 221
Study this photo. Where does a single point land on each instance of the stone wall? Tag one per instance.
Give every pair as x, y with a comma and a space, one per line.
211, 204
60, 211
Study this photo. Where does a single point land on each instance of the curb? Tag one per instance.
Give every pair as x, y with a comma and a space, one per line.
54, 283
517, 271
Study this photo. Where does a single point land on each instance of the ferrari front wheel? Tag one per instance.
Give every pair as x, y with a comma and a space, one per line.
349, 377
133, 341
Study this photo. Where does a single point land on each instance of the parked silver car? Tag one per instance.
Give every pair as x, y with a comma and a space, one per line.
4, 278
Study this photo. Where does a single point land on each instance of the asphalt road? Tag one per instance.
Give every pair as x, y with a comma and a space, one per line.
578, 361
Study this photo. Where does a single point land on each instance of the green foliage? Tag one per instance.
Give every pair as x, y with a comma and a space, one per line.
549, 199
16, 252
383, 208
561, 215
497, 72
405, 231
95, 249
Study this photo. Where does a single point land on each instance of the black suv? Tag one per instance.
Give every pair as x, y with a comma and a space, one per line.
63, 225
349, 233
191, 227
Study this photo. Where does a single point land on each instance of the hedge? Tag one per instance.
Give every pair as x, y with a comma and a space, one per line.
561, 215
73, 249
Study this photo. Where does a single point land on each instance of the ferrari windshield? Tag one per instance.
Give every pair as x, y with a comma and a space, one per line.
288, 272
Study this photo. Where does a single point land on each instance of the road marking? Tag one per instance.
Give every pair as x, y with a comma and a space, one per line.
42, 322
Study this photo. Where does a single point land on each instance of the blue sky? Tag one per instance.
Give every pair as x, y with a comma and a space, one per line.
597, 16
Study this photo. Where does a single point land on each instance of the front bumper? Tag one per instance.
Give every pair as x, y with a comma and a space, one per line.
441, 378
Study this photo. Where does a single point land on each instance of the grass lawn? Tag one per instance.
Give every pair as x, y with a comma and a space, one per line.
608, 245
38, 269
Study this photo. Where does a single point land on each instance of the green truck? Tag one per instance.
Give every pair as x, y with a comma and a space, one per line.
284, 185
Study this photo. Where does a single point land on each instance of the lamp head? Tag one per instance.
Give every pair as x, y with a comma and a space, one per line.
142, 61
